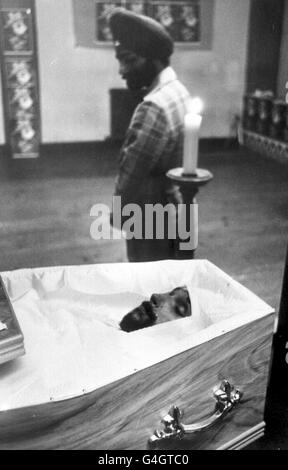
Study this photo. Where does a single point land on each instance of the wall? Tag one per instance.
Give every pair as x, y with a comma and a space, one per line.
282, 91
218, 76
75, 81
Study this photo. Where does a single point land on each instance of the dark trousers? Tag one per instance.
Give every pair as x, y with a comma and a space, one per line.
150, 250
155, 250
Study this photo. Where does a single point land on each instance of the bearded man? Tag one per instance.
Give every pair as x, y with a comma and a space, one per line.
154, 140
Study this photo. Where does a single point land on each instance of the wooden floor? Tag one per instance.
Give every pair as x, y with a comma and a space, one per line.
243, 219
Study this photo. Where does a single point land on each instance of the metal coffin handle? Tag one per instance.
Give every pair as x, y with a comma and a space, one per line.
226, 396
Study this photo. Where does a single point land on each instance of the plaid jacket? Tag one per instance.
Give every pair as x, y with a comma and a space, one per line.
153, 143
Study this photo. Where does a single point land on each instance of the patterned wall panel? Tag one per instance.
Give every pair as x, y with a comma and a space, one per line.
20, 80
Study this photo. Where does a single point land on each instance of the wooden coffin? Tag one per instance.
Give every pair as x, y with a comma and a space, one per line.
11, 337
178, 385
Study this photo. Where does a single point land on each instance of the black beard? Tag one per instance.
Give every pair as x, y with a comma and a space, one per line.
143, 77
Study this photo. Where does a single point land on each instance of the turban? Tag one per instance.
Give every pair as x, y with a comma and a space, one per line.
140, 34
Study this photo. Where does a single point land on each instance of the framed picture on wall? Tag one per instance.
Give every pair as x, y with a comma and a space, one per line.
180, 18
189, 22
103, 11
16, 31
139, 7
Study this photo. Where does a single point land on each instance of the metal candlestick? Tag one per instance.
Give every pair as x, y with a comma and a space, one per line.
189, 185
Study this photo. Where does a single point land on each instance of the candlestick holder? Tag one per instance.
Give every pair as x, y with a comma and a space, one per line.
189, 185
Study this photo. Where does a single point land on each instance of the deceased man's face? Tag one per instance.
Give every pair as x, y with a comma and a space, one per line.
160, 308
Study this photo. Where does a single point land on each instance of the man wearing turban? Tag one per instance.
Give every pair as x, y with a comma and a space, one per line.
154, 140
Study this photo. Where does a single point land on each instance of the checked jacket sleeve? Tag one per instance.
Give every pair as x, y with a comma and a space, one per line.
145, 143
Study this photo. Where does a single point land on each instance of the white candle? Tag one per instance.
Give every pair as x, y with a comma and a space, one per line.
192, 123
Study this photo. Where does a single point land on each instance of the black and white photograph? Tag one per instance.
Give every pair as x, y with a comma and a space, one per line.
144, 227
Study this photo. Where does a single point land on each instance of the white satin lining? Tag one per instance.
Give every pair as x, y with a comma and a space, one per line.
69, 317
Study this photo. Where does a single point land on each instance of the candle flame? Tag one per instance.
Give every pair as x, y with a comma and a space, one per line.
195, 105
192, 121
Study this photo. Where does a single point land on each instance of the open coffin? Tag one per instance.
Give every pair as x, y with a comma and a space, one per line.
75, 349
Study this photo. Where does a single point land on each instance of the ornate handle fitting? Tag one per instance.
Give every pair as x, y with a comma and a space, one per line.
226, 396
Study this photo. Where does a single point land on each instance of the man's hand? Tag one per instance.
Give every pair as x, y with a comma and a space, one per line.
174, 195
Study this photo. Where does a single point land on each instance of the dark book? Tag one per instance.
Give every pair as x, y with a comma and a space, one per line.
11, 336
